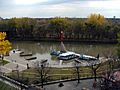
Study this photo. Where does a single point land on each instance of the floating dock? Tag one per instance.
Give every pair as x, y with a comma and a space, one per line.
26, 54
30, 58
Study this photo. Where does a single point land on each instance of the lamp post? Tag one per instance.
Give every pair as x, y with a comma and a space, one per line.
41, 74
43, 62
60, 83
77, 66
1, 70
17, 69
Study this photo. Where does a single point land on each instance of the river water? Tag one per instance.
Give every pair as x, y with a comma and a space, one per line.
42, 49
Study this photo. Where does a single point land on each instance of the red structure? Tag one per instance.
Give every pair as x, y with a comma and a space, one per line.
63, 49
61, 36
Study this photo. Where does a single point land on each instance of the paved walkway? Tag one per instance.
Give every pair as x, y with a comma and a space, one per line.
16, 63
73, 85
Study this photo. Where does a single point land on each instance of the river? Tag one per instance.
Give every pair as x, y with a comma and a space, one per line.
42, 49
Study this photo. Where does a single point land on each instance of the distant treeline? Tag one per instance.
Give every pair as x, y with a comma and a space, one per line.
93, 28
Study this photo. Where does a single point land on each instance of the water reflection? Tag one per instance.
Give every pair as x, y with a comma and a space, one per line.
42, 49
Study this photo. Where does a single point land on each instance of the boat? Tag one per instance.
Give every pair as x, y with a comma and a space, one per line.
88, 57
55, 53
67, 56
63, 54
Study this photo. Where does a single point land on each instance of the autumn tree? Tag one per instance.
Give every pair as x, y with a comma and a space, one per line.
22, 27
96, 19
79, 28
43, 70
41, 29
96, 25
5, 45
57, 25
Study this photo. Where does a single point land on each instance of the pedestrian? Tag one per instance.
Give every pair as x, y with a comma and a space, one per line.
13, 51
94, 84
84, 88
17, 66
28, 66
2, 57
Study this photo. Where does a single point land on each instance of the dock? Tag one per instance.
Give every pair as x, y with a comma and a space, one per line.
26, 54
30, 58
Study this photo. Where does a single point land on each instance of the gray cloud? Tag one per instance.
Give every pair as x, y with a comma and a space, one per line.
52, 8
6, 2
53, 2
60, 1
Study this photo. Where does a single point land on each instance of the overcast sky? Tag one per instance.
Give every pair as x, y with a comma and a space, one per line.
63, 8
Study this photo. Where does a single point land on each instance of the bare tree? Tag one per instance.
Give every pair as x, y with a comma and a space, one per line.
43, 70
94, 65
111, 59
77, 69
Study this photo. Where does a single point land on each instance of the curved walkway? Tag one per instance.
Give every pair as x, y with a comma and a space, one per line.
16, 63
20, 63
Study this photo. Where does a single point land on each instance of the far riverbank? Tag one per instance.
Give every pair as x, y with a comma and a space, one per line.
86, 41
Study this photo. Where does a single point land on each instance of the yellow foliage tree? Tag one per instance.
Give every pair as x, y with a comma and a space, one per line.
5, 45
96, 19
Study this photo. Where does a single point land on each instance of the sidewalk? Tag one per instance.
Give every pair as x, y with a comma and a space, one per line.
15, 63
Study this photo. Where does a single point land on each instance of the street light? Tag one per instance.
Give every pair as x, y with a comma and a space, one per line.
77, 66
41, 73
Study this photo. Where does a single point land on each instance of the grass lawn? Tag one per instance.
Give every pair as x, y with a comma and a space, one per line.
62, 73
4, 86
54, 73
3, 62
